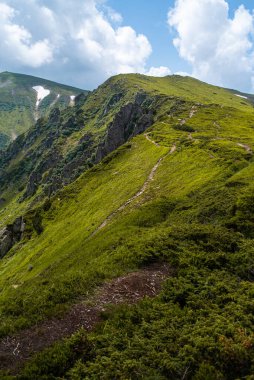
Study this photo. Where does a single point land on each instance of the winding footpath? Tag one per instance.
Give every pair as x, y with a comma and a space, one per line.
17, 349
193, 111
246, 147
141, 191
149, 139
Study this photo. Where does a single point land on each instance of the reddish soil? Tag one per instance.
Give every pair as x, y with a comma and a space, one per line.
17, 349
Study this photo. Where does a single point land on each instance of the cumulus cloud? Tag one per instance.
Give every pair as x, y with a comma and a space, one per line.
113, 15
160, 71
16, 41
87, 41
219, 48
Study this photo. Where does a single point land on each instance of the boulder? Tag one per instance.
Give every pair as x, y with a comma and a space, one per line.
10, 235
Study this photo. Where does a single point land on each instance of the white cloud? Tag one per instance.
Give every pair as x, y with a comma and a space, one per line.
87, 41
160, 71
182, 74
113, 15
219, 48
6, 12
16, 41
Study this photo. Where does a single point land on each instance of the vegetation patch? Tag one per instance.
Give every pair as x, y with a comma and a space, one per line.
194, 213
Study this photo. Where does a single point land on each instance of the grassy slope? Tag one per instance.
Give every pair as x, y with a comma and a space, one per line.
17, 101
196, 214
184, 87
93, 117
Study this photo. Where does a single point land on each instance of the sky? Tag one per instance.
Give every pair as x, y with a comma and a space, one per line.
83, 42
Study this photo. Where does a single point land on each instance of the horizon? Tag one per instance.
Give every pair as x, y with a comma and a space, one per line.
84, 89
82, 46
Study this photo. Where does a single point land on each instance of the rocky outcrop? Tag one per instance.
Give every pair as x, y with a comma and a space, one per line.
35, 178
46, 163
112, 101
10, 235
2, 201
32, 185
80, 99
131, 120
54, 116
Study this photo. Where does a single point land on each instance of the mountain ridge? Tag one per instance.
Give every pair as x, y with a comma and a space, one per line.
21, 103
169, 181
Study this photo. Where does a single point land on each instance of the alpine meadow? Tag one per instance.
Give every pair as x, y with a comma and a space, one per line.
127, 220
126, 193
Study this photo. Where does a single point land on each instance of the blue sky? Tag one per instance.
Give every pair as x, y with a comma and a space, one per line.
150, 17
83, 42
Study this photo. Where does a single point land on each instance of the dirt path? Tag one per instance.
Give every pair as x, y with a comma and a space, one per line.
138, 194
193, 111
182, 121
16, 350
246, 147
149, 139
172, 150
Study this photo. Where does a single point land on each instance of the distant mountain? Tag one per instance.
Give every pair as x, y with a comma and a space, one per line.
24, 98
243, 95
145, 179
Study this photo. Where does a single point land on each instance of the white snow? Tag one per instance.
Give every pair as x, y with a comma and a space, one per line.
41, 94
72, 101
13, 135
241, 96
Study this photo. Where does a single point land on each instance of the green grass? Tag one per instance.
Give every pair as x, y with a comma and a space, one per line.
196, 214
183, 87
17, 102
78, 215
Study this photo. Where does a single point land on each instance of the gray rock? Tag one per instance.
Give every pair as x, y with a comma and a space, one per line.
112, 101
131, 120
5, 241
54, 116
10, 235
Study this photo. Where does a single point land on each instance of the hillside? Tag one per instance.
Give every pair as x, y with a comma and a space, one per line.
155, 184
24, 99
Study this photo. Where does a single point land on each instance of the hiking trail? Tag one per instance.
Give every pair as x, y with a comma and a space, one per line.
140, 192
15, 350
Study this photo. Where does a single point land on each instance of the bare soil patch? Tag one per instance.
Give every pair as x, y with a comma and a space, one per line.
129, 289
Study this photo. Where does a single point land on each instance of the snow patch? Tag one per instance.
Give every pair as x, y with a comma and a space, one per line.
13, 135
241, 96
41, 94
72, 100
